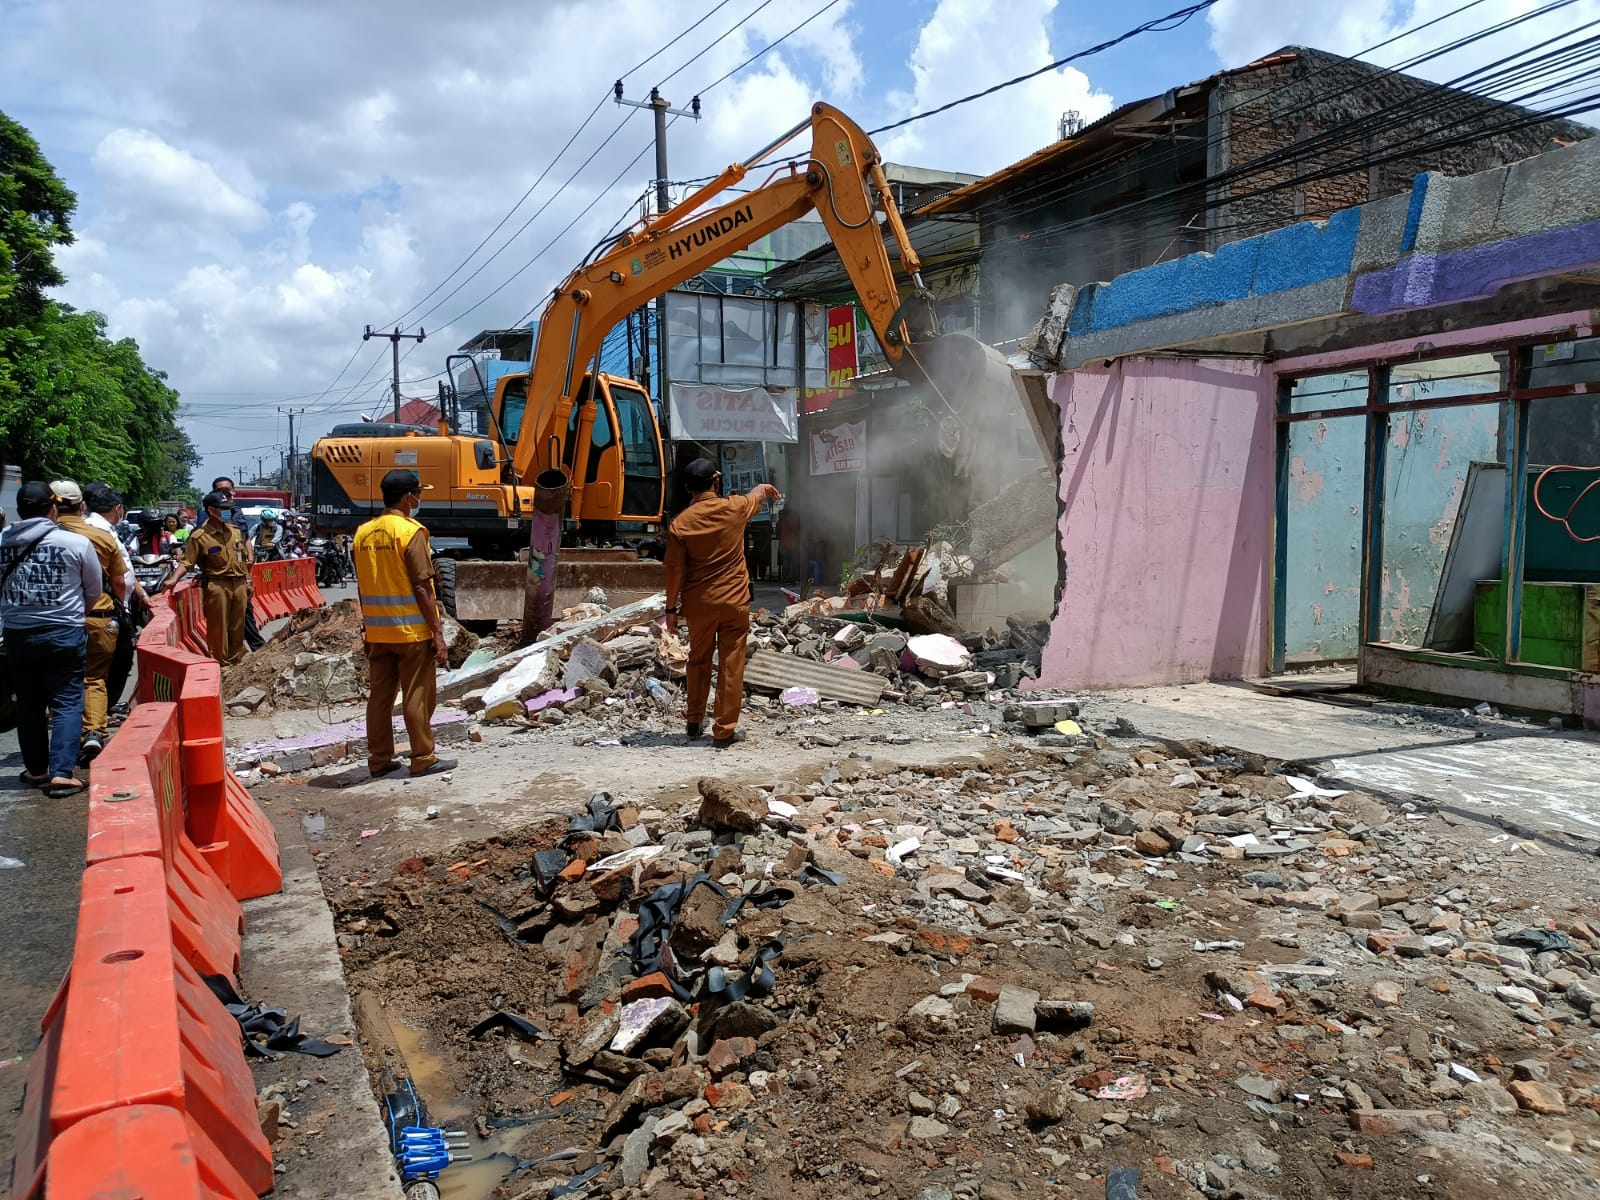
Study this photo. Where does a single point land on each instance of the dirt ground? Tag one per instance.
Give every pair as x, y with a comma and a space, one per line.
1062, 872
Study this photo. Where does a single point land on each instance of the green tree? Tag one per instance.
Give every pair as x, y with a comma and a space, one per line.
35, 210
73, 403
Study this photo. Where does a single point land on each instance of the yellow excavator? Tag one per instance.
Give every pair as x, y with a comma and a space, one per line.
601, 431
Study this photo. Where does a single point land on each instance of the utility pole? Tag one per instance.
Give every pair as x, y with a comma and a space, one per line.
661, 108
291, 476
420, 335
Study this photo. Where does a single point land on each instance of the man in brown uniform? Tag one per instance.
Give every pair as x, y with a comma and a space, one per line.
101, 621
708, 582
217, 547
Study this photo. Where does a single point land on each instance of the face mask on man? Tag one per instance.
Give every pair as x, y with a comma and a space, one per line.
225, 515
416, 505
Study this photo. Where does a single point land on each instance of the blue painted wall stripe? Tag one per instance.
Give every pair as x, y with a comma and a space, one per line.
1294, 257
1419, 196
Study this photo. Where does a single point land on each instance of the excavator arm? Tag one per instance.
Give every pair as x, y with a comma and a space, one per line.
842, 180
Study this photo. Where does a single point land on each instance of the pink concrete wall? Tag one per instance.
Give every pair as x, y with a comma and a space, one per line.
1167, 486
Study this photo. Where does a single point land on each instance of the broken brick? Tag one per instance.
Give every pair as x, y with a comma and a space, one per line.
726, 1054
1538, 1097
1382, 943
1267, 1002
1383, 1121
646, 987
1360, 1162
573, 871
984, 991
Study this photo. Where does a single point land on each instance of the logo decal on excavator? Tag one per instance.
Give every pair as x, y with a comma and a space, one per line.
638, 267
710, 232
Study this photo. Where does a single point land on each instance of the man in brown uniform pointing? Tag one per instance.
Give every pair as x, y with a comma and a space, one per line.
709, 584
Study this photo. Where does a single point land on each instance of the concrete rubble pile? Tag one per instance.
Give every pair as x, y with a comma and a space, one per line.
315, 658
910, 585
611, 673
1104, 954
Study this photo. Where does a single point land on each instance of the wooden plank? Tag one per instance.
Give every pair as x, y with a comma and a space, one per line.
768, 671
458, 683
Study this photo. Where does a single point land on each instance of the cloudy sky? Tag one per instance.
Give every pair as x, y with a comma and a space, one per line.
260, 179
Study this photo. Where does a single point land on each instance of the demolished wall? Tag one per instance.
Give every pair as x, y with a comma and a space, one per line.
1166, 494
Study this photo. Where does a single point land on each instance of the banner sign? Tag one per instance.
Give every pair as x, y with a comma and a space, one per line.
842, 361
842, 448
703, 412
744, 464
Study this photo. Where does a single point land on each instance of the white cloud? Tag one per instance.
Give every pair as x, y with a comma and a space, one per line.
1397, 32
153, 179
970, 43
1244, 30
294, 172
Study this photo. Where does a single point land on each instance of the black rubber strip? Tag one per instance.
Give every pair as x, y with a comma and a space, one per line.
511, 1023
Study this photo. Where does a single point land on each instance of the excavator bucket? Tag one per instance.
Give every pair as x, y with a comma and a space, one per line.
981, 398
1014, 503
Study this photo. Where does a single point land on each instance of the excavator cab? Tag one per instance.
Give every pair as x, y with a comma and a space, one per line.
610, 446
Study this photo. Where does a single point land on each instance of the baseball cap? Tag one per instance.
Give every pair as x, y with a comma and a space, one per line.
34, 497
66, 491
699, 474
408, 481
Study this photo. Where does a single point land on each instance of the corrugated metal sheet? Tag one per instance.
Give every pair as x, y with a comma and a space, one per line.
771, 672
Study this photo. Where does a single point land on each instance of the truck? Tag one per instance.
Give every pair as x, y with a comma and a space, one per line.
597, 435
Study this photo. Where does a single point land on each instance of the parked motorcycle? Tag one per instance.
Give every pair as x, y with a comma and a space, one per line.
331, 562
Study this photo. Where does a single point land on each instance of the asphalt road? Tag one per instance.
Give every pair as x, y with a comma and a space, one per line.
38, 918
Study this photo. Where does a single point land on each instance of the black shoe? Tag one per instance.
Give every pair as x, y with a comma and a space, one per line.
90, 750
694, 729
437, 767
732, 739
394, 765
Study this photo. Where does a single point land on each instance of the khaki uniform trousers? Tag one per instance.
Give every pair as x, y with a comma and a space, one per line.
407, 668
723, 628
97, 658
226, 599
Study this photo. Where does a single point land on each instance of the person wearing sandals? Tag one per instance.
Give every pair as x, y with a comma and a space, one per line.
49, 581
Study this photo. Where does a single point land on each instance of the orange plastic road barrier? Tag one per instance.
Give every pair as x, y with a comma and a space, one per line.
269, 581
161, 667
138, 1153
162, 628
189, 603
228, 829
302, 585
232, 832
136, 808
140, 1027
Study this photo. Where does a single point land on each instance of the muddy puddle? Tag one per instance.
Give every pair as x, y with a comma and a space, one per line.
494, 1159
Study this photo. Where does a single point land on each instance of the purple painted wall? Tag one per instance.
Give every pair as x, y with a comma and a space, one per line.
1167, 487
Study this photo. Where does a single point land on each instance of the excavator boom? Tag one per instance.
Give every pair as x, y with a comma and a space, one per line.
842, 180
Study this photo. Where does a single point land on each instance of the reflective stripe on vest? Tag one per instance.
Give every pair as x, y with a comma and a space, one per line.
389, 609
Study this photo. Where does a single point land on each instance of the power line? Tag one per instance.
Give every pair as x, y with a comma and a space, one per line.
347, 405
1172, 20
713, 12
1406, 114
772, 46
737, 25
510, 212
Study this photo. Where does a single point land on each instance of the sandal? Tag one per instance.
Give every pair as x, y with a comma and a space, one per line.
60, 791
33, 781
